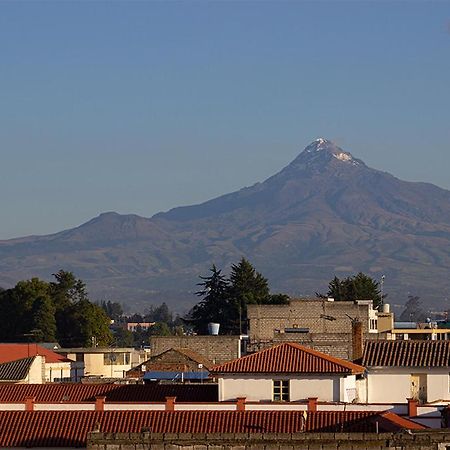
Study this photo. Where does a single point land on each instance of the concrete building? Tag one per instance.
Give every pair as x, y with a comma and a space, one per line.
397, 370
55, 367
287, 373
100, 362
217, 349
322, 324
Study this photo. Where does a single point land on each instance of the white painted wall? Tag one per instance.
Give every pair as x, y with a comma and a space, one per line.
393, 384
56, 371
259, 387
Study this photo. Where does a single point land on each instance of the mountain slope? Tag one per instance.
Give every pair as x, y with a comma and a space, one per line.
326, 213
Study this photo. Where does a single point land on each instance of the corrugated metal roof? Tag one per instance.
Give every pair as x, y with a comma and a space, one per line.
288, 358
15, 370
113, 392
407, 353
70, 428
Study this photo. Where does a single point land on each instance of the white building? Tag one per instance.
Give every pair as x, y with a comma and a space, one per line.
287, 372
397, 370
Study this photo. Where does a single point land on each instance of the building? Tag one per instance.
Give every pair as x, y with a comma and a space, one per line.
288, 372
399, 369
173, 364
100, 362
134, 326
55, 367
322, 324
23, 371
217, 349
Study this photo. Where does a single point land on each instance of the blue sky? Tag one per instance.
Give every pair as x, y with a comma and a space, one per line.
138, 107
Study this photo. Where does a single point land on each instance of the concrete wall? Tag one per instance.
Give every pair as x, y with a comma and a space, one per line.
260, 387
424, 440
264, 320
394, 384
57, 371
217, 349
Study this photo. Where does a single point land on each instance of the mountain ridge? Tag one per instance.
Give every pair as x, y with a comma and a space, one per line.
325, 213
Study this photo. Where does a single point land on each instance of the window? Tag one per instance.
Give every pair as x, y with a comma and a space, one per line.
116, 359
280, 390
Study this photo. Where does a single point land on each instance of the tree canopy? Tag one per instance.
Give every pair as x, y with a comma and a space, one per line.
357, 287
35, 310
224, 300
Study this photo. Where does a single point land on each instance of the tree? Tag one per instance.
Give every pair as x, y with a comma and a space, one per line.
44, 322
159, 313
67, 289
112, 309
413, 311
214, 305
358, 287
84, 325
247, 286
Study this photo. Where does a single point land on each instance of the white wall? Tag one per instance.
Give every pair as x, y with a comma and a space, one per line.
56, 371
259, 387
394, 384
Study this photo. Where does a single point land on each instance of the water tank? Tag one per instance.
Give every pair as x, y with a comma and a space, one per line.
386, 307
213, 328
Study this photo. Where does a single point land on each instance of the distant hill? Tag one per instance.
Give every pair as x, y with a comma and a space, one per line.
325, 213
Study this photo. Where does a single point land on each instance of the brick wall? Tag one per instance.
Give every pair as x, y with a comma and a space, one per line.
217, 349
423, 440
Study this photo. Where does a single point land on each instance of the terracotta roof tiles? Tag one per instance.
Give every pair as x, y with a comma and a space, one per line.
70, 428
288, 358
406, 353
13, 352
139, 393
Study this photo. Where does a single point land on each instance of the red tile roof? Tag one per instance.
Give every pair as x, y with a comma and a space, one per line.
70, 428
406, 353
13, 352
288, 358
138, 393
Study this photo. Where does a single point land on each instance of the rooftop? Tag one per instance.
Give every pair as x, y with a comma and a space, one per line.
70, 428
138, 393
406, 353
13, 352
289, 358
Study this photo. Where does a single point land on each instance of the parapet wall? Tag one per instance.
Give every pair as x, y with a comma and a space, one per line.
217, 349
423, 440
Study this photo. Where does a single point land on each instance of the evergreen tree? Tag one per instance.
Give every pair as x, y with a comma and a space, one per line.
214, 306
358, 287
247, 286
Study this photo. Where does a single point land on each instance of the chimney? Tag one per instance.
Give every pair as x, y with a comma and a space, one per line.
357, 340
29, 403
312, 404
170, 403
100, 403
240, 404
412, 407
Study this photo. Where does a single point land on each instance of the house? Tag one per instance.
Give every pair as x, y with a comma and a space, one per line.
55, 368
319, 323
287, 372
26, 370
100, 362
400, 369
176, 363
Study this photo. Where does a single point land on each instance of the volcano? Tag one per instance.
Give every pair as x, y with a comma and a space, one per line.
326, 213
